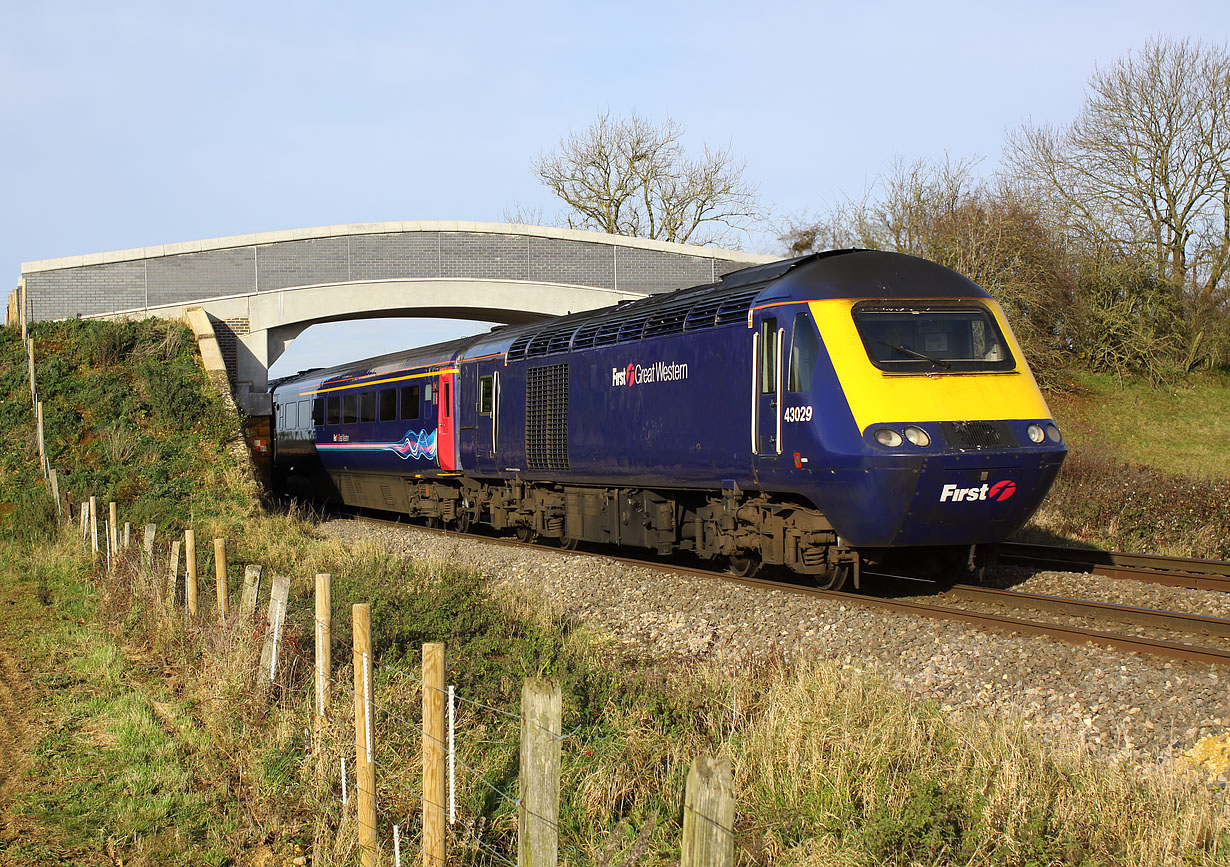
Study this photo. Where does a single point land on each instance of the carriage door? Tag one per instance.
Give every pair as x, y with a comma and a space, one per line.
767, 344
486, 427
446, 444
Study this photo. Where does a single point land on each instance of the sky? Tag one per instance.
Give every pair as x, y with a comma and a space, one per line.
128, 125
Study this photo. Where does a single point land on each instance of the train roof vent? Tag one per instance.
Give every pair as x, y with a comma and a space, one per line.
517, 350
560, 340
607, 333
632, 328
584, 338
667, 321
551, 341
734, 307
702, 314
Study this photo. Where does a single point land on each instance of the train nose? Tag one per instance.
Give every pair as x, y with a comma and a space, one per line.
996, 495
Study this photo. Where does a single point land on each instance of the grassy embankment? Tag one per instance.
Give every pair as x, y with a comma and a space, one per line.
1148, 468
150, 741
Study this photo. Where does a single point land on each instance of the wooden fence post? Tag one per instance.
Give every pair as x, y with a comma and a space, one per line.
433, 755
709, 815
538, 814
173, 574
94, 527
251, 590
54, 478
279, 592
190, 572
127, 535
42, 445
147, 549
113, 532
30, 364
365, 768
324, 656
220, 575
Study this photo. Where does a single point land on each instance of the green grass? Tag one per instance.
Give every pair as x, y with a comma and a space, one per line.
115, 763
128, 416
1182, 427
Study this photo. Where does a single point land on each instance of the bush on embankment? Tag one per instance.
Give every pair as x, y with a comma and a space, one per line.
128, 416
1108, 503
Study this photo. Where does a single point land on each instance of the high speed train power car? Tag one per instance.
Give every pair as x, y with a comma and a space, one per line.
823, 412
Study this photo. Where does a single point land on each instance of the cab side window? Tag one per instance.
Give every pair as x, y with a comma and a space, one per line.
768, 356
486, 390
804, 350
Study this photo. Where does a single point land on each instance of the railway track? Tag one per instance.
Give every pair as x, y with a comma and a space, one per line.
1192, 573
1170, 621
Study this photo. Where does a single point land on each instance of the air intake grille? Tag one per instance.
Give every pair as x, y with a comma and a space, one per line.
546, 417
978, 435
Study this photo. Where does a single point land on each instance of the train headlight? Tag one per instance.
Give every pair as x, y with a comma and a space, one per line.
917, 436
1036, 433
1052, 433
886, 436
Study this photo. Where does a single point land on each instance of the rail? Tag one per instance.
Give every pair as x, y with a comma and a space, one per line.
1193, 573
1069, 634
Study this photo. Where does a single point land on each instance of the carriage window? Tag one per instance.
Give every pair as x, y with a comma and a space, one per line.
804, 349
388, 404
318, 410
410, 402
486, 391
350, 408
367, 406
932, 338
768, 356
303, 414
335, 409
289, 414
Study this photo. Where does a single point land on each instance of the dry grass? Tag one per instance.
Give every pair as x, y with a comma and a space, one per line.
832, 766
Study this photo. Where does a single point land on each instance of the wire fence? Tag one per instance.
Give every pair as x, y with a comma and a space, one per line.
514, 823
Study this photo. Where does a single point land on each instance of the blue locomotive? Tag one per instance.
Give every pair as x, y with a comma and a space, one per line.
822, 412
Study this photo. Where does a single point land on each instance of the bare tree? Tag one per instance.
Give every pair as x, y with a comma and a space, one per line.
628, 176
1144, 170
896, 213
939, 211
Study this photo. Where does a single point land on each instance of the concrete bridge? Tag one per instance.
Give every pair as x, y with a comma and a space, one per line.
261, 291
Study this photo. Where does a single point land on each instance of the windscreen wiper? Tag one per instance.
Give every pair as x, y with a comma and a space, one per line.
937, 362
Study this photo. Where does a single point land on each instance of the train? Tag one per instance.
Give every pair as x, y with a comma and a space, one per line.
820, 414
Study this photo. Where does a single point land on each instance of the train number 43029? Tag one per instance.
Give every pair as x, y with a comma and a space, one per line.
797, 413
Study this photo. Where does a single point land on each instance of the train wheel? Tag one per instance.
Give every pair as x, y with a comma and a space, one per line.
836, 578
568, 543
432, 523
745, 564
462, 522
526, 534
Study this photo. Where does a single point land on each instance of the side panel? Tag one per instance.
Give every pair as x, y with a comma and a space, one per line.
445, 427
671, 411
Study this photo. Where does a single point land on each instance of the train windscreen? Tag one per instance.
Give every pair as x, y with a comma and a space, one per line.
932, 339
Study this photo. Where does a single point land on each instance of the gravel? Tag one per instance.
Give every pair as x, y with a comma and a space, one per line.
1119, 706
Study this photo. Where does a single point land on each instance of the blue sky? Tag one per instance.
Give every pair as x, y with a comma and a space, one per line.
127, 125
